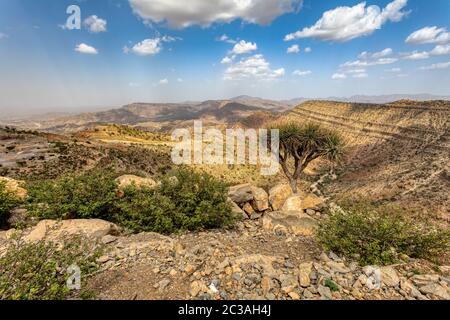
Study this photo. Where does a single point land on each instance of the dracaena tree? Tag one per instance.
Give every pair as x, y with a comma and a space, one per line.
301, 144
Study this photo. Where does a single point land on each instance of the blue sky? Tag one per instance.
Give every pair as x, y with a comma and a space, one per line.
170, 51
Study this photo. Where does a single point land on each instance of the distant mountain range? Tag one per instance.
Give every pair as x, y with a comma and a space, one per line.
213, 112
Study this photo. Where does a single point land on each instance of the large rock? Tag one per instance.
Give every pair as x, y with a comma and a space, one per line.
14, 187
389, 277
241, 194
437, 290
260, 199
293, 222
237, 210
129, 180
293, 203
278, 195
311, 201
52, 230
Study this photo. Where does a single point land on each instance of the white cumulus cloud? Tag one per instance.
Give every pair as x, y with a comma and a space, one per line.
243, 47
308, 50
95, 24
163, 81
86, 49
147, 47
346, 23
182, 14
294, 49
429, 35
255, 67
440, 50
150, 47
416, 55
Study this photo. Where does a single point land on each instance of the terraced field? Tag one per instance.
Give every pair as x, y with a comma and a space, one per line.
398, 152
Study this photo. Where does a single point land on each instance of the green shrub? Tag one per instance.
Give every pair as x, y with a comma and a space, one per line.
145, 210
334, 287
89, 195
380, 235
188, 201
39, 271
8, 201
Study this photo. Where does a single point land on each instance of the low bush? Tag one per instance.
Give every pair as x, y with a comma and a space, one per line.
40, 271
8, 201
380, 235
89, 195
185, 201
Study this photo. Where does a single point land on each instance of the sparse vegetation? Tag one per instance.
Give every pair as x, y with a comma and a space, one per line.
380, 235
8, 201
186, 201
89, 195
40, 271
304, 144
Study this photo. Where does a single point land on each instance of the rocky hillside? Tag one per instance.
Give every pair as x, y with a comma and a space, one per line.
154, 116
398, 152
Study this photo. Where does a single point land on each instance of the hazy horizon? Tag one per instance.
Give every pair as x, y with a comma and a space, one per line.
146, 51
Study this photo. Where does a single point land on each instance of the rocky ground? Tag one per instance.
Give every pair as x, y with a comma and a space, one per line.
247, 262
268, 255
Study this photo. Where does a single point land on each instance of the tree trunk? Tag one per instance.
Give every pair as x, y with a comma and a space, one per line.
293, 184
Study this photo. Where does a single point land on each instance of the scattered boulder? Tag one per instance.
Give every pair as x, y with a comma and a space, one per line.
311, 201
437, 290
248, 209
424, 279
14, 186
293, 203
278, 195
305, 270
389, 277
241, 194
260, 199
237, 210
56, 230
338, 267
294, 222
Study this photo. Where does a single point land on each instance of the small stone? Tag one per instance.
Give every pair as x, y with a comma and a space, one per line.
357, 294
304, 274
173, 273
103, 259
310, 212
338, 267
163, 284
189, 269
307, 294
156, 270
266, 284
389, 277
196, 287
334, 257
324, 292
294, 295
109, 239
